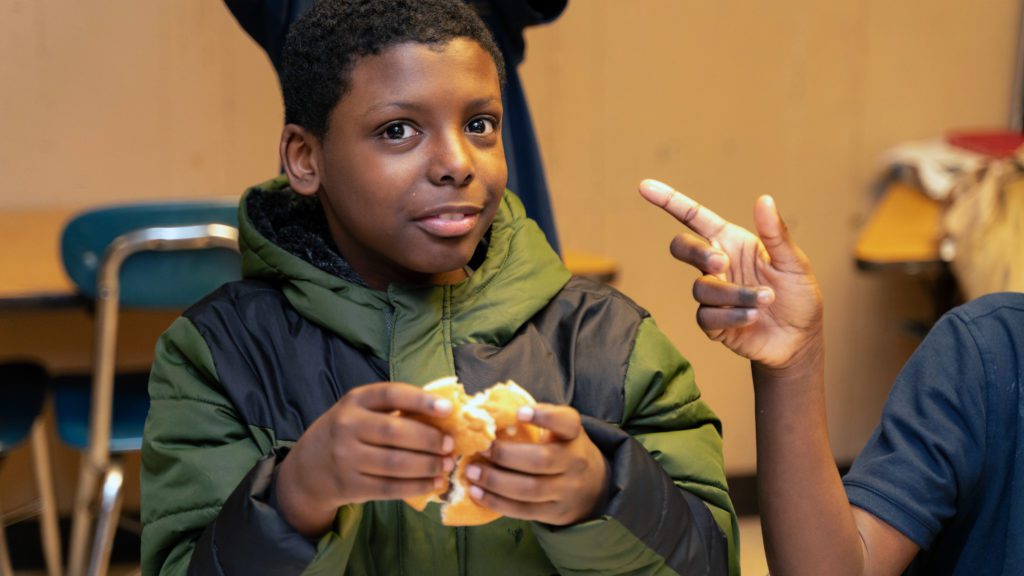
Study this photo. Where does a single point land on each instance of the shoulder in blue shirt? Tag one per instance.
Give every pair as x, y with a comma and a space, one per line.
946, 464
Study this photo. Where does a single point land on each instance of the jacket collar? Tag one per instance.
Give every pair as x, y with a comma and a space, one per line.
291, 248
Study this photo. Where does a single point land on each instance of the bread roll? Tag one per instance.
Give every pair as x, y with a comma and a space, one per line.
474, 423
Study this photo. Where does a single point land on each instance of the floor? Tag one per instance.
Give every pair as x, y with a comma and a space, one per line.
752, 560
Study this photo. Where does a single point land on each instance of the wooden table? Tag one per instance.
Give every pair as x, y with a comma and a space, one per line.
31, 273
903, 232
593, 266
903, 235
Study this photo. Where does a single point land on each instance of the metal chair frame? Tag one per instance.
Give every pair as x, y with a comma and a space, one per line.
97, 460
49, 528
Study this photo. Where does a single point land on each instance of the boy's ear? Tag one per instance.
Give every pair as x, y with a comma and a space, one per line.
300, 157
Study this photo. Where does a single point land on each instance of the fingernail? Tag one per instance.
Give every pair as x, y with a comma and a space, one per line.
447, 444
473, 473
448, 464
476, 492
657, 186
440, 482
525, 414
716, 261
764, 296
442, 405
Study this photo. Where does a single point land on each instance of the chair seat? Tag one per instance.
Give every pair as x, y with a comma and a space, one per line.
72, 401
22, 389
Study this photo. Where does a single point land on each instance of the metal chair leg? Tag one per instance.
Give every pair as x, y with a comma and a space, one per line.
106, 525
48, 499
82, 517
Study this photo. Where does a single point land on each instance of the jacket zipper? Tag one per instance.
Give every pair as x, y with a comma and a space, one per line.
460, 543
389, 322
446, 328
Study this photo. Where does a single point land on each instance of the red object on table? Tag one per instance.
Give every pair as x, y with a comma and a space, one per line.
1001, 144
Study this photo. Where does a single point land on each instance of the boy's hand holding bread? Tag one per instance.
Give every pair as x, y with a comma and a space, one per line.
497, 453
362, 450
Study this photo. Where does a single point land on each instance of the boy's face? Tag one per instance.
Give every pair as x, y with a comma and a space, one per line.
412, 168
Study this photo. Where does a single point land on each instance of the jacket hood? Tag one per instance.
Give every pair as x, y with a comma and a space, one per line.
284, 240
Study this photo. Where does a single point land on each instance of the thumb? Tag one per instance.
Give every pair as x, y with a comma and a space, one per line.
785, 255
563, 422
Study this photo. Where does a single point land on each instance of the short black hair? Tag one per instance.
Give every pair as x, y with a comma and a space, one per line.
325, 43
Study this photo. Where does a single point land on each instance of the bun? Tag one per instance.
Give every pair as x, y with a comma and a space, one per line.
474, 423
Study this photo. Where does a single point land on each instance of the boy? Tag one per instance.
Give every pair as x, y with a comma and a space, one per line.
937, 488
391, 254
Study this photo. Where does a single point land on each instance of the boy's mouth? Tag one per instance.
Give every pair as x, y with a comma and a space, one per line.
449, 224
450, 220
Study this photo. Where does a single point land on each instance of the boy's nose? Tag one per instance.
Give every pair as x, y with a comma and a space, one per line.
452, 161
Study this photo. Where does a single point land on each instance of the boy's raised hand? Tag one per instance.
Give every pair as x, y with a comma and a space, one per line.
758, 294
560, 482
362, 449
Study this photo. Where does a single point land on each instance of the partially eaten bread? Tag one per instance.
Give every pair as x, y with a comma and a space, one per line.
474, 423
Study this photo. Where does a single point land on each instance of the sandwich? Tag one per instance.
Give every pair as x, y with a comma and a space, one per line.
474, 423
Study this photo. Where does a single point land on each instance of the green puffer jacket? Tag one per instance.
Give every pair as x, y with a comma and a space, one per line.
242, 374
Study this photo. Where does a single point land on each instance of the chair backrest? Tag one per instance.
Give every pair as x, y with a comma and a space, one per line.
161, 267
152, 255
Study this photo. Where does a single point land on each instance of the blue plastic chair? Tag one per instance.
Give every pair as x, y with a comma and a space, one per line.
22, 392
152, 256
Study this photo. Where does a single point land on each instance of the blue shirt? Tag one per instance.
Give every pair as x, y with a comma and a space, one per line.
946, 465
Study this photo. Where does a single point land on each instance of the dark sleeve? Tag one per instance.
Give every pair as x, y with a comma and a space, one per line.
249, 532
928, 450
508, 18
668, 510
672, 522
268, 21
207, 478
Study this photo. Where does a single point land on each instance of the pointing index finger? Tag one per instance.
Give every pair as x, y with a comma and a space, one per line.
686, 210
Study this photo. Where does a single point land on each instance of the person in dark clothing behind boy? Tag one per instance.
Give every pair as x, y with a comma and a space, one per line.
279, 439
937, 489
268, 21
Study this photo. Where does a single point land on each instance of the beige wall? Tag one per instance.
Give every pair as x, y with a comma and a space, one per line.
120, 99
123, 99
730, 100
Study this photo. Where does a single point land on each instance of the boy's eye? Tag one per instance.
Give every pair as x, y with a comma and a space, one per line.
481, 126
398, 131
